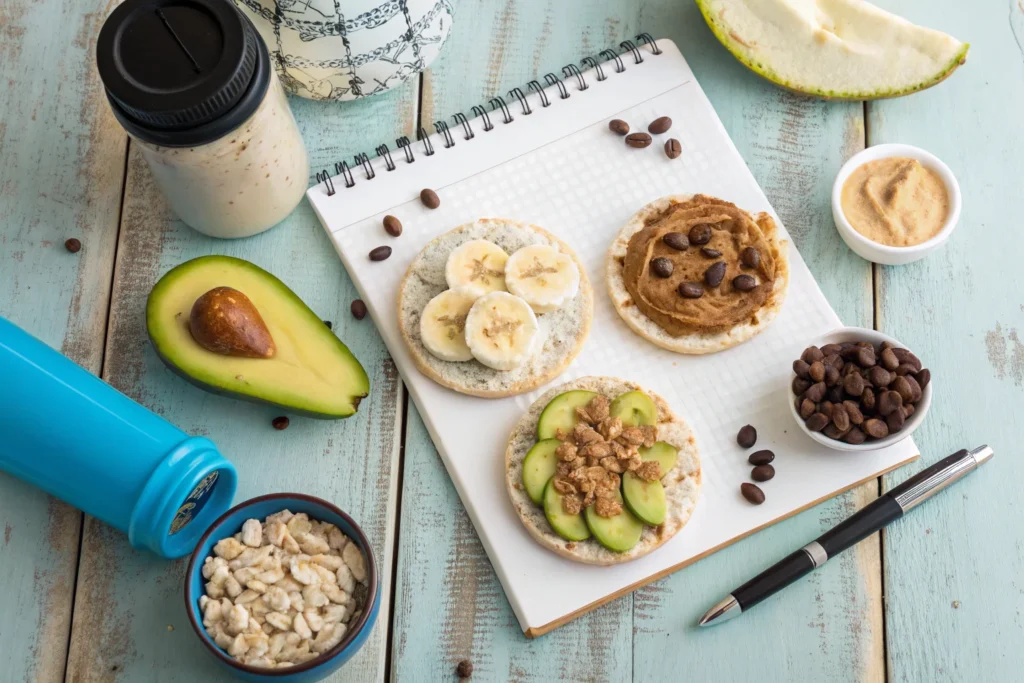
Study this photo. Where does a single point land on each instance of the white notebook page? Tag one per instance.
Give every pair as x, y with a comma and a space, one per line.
561, 168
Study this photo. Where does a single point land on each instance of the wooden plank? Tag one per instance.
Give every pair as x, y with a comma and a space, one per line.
952, 569
127, 601
61, 176
826, 628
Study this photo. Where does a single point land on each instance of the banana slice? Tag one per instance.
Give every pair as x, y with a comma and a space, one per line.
501, 330
443, 326
542, 276
476, 268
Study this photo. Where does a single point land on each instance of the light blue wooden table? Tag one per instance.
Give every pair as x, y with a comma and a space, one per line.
937, 597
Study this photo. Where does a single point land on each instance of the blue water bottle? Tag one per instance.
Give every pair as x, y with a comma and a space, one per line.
76, 437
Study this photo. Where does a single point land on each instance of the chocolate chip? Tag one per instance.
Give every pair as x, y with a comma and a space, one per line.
753, 493
691, 290
358, 309
761, 457
811, 354
854, 384
73, 245
380, 253
817, 422
853, 412
895, 421
710, 253
430, 199
659, 125
464, 669
638, 140
744, 283
800, 385
817, 371
762, 473
672, 148
875, 428
801, 368
714, 275
889, 359
747, 436
880, 377
280, 423
393, 226
750, 257
855, 436
816, 392
700, 234
330, 325
676, 240
923, 378
618, 126
662, 267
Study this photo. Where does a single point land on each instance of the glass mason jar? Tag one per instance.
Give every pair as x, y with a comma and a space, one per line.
191, 82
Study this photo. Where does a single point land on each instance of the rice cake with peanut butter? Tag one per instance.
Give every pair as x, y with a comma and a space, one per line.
659, 282
681, 483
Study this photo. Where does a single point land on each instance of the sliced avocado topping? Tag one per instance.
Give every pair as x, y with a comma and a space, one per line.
560, 413
635, 408
666, 455
539, 467
569, 527
311, 372
645, 499
618, 533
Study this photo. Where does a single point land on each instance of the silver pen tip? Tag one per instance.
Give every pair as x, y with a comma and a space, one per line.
981, 454
724, 609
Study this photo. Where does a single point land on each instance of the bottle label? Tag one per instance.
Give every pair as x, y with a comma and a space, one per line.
194, 503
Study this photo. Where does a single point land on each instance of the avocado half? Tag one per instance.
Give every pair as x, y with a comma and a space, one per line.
312, 372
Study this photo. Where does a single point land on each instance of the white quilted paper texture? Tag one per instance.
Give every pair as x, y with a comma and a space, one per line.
561, 168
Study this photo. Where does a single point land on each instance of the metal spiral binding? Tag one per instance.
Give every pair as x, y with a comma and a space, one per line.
518, 93
343, 170
383, 151
573, 70
595, 65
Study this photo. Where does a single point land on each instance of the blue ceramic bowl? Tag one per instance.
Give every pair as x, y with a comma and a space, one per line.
259, 508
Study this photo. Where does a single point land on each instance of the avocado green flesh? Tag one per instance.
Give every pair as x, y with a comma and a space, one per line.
311, 373
560, 413
538, 468
645, 499
635, 408
569, 527
665, 454
618, 533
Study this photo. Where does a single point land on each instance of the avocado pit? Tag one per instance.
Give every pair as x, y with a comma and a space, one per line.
225, 321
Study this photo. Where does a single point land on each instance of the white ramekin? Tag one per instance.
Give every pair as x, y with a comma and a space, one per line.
880, 253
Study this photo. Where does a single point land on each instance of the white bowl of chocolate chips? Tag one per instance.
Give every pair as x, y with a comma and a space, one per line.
859, 390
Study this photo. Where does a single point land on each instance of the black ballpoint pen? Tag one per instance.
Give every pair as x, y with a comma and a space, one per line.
872, 517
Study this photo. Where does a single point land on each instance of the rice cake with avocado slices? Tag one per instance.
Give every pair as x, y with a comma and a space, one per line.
560, 334
720, 316
681, 484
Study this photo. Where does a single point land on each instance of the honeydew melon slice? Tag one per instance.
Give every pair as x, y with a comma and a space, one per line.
836, 49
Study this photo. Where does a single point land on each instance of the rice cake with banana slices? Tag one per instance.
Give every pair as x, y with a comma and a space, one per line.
722, 316
560, 332
681, 483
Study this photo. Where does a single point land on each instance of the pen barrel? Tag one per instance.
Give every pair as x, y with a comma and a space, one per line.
773, 579
867, 521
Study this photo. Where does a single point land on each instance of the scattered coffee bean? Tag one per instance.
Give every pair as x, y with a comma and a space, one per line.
380, 253
855, 436
710, 253
817, 422
750, 257
762, 473
280, 423
358, 309
330, 325
73, 245
889, 359
430, 199
761, 457
659, 125
691, 290
816, 392
817, 371
700, 234
807, 408
895, 421
880, 377
744, 283
811, 354
753, 493
875, 428
618, 126
464, 669
840, 418
673, 149
393, 226
662, 267
714, 275
747, 436
923, 378
638, 140
800, 386
801, 368
676, 240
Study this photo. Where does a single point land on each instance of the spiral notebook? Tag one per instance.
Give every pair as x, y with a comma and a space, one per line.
544, 155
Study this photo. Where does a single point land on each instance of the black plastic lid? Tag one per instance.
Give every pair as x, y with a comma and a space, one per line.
181, 72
